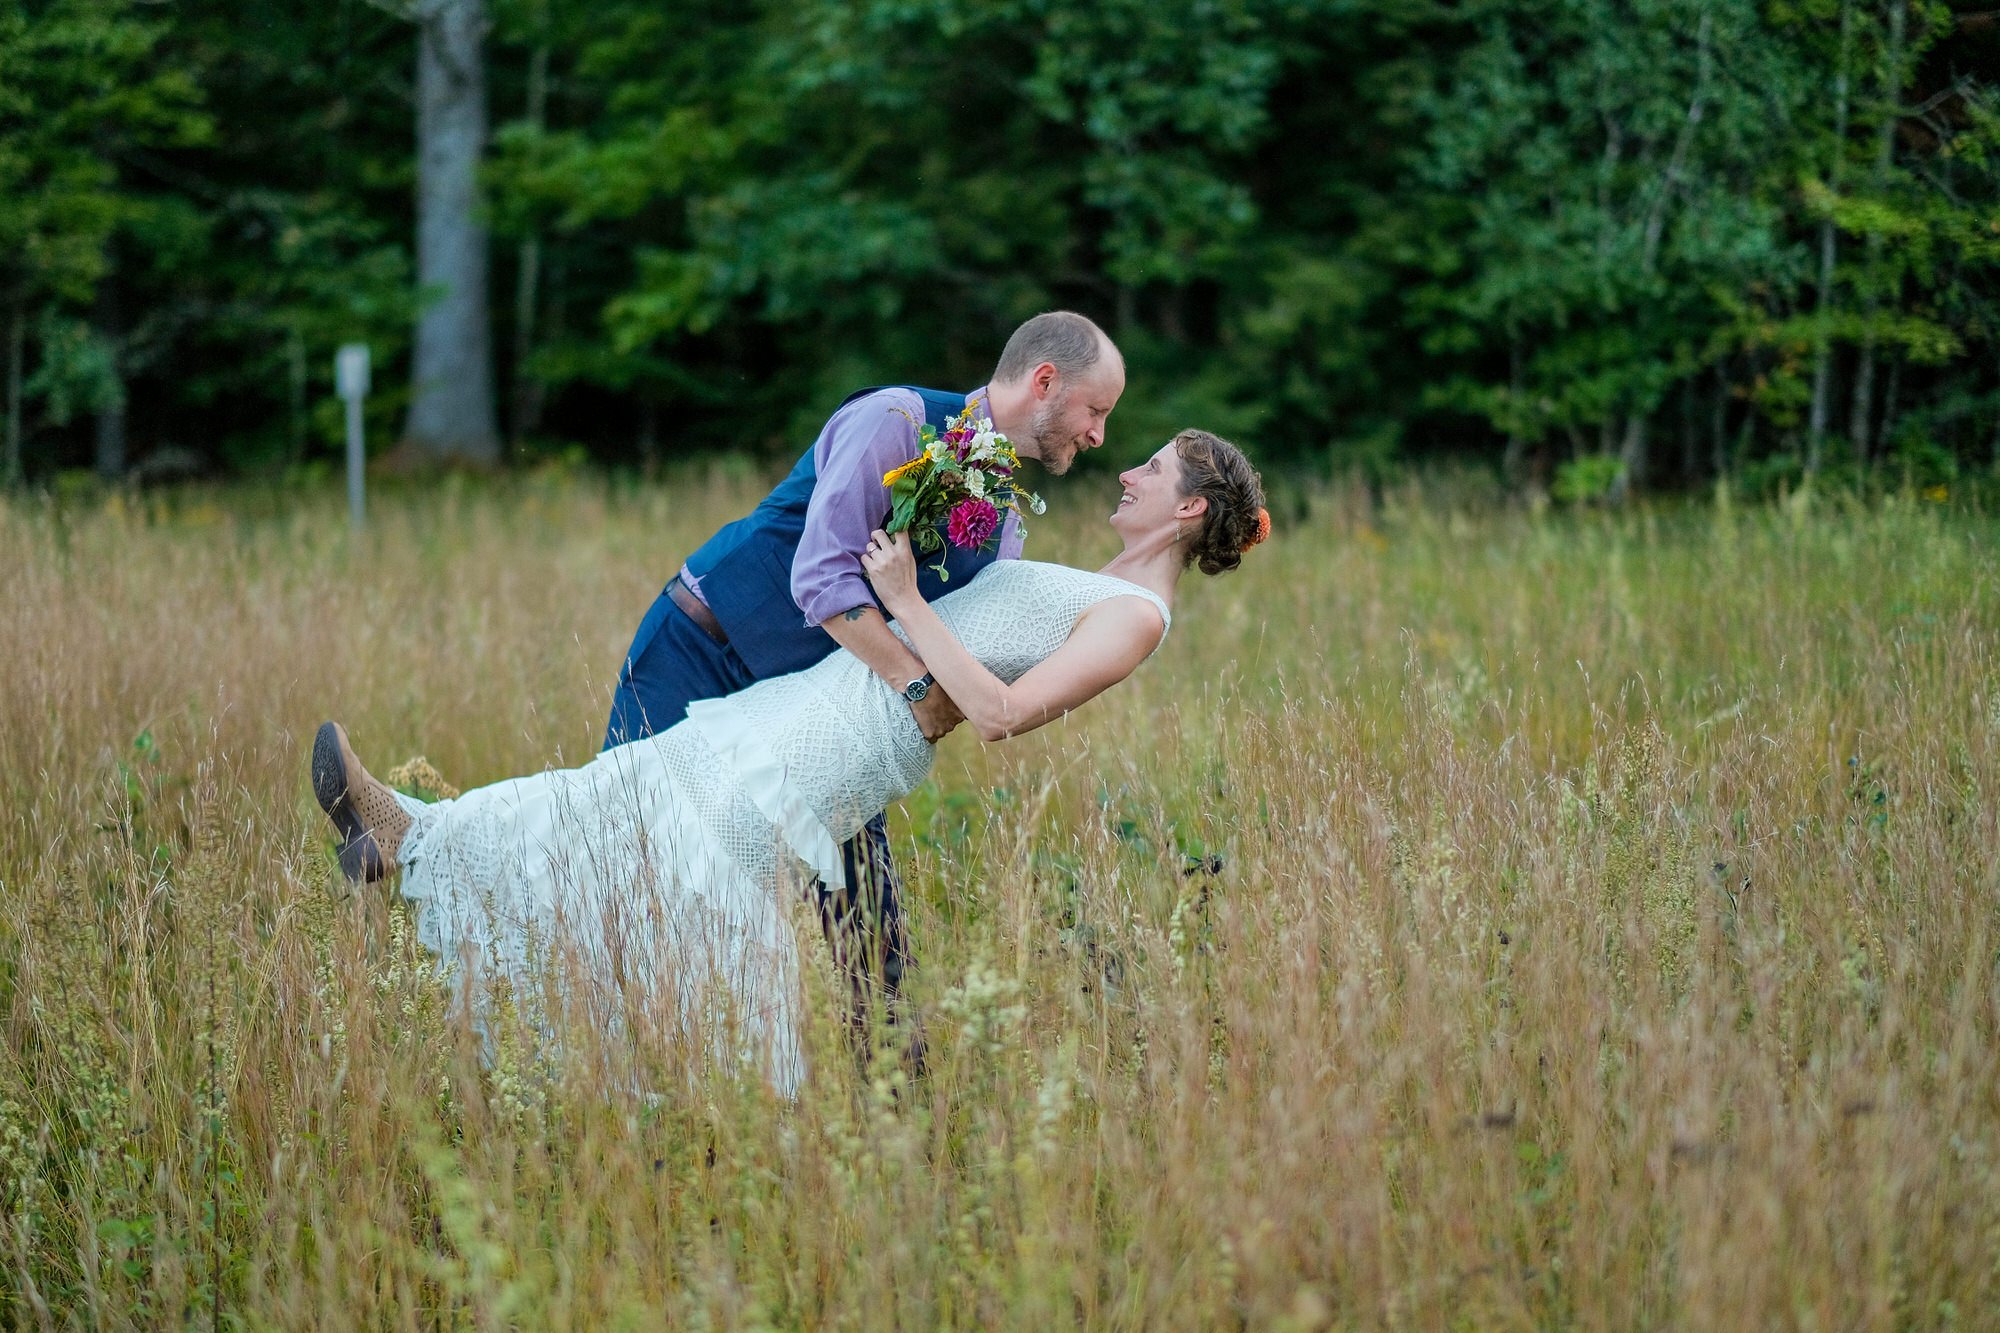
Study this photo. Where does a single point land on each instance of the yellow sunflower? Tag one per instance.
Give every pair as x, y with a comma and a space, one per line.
891, 478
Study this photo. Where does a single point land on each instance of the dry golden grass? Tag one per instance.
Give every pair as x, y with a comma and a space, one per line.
1605, 938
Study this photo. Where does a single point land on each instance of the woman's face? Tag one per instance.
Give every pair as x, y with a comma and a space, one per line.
1150, 494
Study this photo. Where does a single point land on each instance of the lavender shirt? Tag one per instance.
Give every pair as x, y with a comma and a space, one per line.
866, 438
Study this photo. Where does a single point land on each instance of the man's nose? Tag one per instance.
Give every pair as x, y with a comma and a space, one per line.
1095, 435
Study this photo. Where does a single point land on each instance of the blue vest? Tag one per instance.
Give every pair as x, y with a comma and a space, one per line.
746, 569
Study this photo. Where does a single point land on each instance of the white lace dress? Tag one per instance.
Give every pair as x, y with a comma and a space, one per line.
659, 876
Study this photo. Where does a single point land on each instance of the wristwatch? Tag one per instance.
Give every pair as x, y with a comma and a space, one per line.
919, 689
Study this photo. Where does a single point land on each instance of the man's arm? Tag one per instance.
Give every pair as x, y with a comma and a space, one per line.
864, 440
865, 632
862, 631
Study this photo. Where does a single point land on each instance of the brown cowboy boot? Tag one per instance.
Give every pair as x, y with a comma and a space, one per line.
370, 823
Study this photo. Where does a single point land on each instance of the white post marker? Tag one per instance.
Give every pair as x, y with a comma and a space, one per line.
350, 381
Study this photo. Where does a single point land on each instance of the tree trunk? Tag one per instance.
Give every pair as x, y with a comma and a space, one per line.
1746, 430
17, 339
1718, 421
1822, 389
1859, 417
1690, 451
1632, 458
1656, 218
555, 308
1863, 409
1887, 434
1633, 454
1823, 356
111, 437
1513, 462
529, 395
452, 413
300, 382
108, 326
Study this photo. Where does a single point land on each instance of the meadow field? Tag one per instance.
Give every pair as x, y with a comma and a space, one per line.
1474, 916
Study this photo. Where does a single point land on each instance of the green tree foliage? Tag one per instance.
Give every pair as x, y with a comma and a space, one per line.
1593, 158
186, 236
82, 87
1615, 243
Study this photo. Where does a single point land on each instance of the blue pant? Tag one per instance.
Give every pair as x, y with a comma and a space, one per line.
673, 662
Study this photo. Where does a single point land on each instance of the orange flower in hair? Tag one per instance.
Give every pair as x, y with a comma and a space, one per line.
1263, 528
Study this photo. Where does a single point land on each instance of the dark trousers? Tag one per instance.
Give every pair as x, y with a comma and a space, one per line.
673, 662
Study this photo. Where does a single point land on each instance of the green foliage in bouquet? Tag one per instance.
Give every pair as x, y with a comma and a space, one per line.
957, 487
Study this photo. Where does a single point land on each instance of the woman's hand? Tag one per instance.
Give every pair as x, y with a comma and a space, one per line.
891, 567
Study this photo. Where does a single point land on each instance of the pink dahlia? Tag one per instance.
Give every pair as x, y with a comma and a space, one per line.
971, 523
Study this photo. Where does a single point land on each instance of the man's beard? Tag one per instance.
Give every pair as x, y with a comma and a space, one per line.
1045, 429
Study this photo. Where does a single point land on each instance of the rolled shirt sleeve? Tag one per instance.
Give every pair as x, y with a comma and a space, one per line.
868, 437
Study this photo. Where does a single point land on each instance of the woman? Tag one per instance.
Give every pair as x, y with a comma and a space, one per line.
658, 868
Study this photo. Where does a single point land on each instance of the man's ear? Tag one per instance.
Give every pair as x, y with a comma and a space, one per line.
1043, 379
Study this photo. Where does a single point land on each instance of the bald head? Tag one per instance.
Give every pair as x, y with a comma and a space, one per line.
1061, 338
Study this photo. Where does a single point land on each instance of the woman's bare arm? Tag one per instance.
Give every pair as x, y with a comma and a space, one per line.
1108, 643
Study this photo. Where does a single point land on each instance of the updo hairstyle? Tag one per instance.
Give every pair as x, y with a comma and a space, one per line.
1216, 470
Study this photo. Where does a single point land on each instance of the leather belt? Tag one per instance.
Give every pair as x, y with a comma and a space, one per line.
696, 610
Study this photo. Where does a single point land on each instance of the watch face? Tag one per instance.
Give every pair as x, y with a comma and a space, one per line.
917, 691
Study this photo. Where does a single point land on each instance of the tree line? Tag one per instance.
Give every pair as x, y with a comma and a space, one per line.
1603, 244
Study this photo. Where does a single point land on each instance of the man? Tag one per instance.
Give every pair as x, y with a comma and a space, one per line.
781, 588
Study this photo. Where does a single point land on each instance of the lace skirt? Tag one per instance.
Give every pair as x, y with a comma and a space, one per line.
645, 894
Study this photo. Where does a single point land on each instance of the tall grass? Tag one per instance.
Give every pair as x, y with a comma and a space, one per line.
1468, 919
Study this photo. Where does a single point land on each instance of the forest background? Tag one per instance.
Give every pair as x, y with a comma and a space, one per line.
1599, 245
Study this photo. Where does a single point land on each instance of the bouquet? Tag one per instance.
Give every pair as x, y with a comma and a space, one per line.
956, 489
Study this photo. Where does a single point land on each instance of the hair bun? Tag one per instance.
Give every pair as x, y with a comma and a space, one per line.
1235, 520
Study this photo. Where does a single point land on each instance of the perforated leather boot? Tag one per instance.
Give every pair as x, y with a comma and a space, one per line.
370, 823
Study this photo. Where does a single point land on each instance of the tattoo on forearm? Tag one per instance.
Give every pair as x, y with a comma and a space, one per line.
856, 613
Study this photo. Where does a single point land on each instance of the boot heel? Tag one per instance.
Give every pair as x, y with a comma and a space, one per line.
334, 779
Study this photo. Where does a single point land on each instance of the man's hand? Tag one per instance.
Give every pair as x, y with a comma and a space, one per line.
937, 714
863, 632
